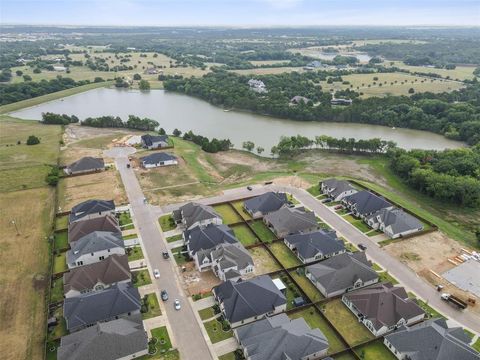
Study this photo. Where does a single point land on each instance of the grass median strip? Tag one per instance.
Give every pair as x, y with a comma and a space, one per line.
174, 238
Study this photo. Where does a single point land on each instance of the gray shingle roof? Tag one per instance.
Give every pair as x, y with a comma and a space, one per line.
208, 237
193, 212
433, 340
103, 305
384, 304
266, 203
321, 241
342, 271
230, 255
156, 158
79, 229
292, 220
93, 242
90, 207
111, 270
106, 341
280, 338
87, 163
249, 298
338, 186
366, 202
399, 220
149, 140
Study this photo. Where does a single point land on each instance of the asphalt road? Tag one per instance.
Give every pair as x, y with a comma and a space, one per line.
186, 330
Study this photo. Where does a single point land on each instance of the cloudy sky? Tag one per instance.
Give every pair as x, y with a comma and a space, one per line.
241, 12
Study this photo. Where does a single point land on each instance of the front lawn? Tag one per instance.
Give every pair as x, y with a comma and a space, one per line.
125, 221
180, 258
167, 223
134, 253
206, 313
56, 292
362, 226
350, 218
307, 286
476, 345
316, 321
349, 246
163, 343
60, 263
175, 238
61, 240
384, 276
229, 356
315, 190
141, 278
346, 323
61, 222
238, 205
292, 200
375, 351
283, 254
373, 232
228, 215
216, 332
244, 235
150, 307
262, 231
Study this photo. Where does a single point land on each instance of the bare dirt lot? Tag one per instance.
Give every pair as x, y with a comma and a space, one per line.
198, 282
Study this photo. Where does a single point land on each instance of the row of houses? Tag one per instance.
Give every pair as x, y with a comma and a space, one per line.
374, 210
101, 306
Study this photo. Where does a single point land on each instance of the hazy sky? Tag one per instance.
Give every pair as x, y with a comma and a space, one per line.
241, 12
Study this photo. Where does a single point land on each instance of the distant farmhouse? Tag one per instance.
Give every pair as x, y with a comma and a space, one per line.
154, 141
342, 273
158, 159
85, 165
316, 245
257, 85
280, 338
264, 204
383, 308
192, 214
245, 301
314, 65
345, 102
91, 209
337, 189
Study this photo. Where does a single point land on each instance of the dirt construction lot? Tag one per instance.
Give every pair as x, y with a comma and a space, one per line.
196, 282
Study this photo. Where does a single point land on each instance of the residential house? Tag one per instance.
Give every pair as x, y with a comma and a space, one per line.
316, 245
279, 338
337, 189
264, 204
231, 261
244, 301
79, 229
158, 159
394, 222
59, 68
119, 301
287, 221
344, 102
383, 308
154, 141
257, 86
97, 276
85, 165
91, 209
124, 338
193, 214
430, 340
363, 204
342, 273
313, 65
94, 247
299, 99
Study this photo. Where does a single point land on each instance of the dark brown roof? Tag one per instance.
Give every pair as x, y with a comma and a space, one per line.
109, 271
384, 304
79, 229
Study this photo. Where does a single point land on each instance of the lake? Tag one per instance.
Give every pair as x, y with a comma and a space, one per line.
173, 110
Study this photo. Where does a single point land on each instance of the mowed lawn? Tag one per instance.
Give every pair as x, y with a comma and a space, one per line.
215, 331
306, 285
262, 231
244, 235
238, 205
374, 351
228, 215
283, 254
315, 320
346, 323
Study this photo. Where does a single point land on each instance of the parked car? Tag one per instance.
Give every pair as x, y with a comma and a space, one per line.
249, 188
177, 305
338, 207
128, 166
326, 200
164, 295
156, 273
362, 247
166, 255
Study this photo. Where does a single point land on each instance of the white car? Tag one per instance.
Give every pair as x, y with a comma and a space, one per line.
156, 273
177, 305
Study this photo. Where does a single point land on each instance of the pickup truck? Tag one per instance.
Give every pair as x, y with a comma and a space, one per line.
454, 301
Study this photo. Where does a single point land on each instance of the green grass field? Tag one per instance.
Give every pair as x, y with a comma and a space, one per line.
262, 231
135, 253
59, 263
163, 339
174, 238
238, 205
228, 215
61, 240
286, 257
306, 285
374, 351
215, 331
244, 235
61, 222
151, 301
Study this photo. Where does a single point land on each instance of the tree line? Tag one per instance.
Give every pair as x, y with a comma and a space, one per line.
211, 146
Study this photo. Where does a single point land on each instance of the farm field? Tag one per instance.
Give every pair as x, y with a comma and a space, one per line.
268, 71
460, 72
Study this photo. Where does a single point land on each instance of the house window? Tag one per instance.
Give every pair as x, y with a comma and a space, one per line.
91, 254
101, 257
80, 263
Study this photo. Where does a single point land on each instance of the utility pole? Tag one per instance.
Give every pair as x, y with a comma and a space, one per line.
16, 228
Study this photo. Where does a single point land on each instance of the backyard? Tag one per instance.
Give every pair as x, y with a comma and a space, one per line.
262, 231
61, 240
238, 205
283, 254
374, 351
306, 285
264, 262
56, 292
244, 234
228, 214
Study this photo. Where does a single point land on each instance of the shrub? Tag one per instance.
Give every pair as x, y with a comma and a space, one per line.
33, 140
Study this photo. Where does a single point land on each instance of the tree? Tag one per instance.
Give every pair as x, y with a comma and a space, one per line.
37, 71
411, 91
248, 145
27, 78
161, 131
260, 150
53, 176
137, 77
177, 133
144, 85
33, 140
19, 72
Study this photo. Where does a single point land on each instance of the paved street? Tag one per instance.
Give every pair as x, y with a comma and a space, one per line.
187, 334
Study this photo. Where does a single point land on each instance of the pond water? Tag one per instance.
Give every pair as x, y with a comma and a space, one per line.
173, 110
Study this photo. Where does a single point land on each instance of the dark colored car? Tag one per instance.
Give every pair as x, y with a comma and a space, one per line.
164, 295
165, 255
362, 247
249, 188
